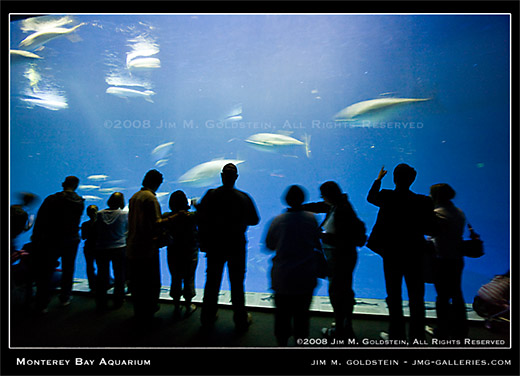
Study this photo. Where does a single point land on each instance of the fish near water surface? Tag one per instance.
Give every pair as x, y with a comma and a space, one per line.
39, 38
23, 55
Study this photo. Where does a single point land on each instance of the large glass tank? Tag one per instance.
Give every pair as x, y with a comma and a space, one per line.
108, 97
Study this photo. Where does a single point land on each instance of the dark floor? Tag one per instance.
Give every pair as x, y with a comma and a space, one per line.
80, 325
93, 343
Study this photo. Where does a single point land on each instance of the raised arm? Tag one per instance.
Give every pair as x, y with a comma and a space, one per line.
374, 196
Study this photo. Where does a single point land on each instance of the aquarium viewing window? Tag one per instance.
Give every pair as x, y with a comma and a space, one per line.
290, 99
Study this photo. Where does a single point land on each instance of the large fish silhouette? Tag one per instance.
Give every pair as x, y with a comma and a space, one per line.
207, 173
274, 141
360, 110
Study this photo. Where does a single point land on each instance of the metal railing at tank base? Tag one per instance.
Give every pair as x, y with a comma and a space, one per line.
320, 304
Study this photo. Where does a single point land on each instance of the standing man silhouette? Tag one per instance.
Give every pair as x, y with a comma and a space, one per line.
56, 235
224, 215
144, 230
404, 218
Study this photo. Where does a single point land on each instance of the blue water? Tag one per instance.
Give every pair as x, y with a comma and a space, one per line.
289, 73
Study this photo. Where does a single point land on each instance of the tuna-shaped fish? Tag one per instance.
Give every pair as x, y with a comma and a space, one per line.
358, 110
235, 114
272, 142
161, 162
123, 92
45, 22
118, 79
49, 104
39, 38
160, 154
22, 55
110, 190
142, 63
97, 177
141, 52
234, 118
92, 198
88, 187
207, 173
162, 151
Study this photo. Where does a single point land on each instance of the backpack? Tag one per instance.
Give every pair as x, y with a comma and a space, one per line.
358, 231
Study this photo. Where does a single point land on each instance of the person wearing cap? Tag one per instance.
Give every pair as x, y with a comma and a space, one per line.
398, 236
56, 235
224, 216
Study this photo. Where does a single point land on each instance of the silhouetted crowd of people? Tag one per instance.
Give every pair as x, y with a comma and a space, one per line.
130, 240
